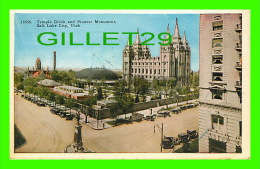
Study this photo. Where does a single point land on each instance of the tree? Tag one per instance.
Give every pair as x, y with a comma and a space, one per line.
69, 104
99, 93
114, 110
156, 87
56, 76
194, 80
89, 82
29, 89
120, 88
137, 99
18, 80
141, 86
20, 86
51, 97
60, 100
88, 104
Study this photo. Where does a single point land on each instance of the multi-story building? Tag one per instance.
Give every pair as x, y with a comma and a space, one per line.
38, 70
173, 62
220, 73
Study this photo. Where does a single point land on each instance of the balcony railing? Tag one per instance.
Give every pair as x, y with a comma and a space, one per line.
238, 27
238, 46
239, 65
238, 84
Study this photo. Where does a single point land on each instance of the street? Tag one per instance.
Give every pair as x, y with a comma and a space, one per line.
46, 132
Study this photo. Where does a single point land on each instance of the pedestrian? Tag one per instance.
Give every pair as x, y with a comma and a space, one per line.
103, 125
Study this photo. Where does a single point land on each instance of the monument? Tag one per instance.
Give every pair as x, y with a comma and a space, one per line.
77, 145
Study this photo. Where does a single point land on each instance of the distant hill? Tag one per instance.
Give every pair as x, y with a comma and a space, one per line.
96, 74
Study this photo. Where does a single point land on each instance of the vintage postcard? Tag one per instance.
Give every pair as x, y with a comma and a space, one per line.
130, 84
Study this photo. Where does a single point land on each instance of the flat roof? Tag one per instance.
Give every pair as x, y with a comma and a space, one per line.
48, 82
70, 88
106, 101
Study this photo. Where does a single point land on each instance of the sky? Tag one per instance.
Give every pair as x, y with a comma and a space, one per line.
28, 49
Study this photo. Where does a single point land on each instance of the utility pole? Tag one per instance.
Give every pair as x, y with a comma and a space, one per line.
97, 117
161, 129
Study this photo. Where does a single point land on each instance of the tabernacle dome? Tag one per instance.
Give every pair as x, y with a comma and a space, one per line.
96, 74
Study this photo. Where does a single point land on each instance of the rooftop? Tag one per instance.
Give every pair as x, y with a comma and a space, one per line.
48, 82
106, 101
70, 88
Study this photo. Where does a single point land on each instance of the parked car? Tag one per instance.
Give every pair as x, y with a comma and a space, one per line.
150, 117
167, 142
183, 107
191, 106
55, 110
62, 114
39, 103
69, 116
164, 114
136, 117
176, 110
184, 137
193, 133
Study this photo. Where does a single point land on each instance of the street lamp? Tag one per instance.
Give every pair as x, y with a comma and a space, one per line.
97, 116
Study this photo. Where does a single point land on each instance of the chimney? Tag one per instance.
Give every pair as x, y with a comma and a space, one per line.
54, 60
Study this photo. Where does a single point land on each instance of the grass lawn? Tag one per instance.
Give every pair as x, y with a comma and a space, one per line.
194, 147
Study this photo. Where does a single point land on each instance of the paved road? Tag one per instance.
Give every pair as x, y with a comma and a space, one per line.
46, 132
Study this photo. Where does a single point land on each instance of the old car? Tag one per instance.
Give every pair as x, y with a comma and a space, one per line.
184, 137
69, 116
176, 110
183, 107
62, 113
150, 117
55, 110
193, 134
136, 117
191, 106
164, 114
39, 103
167, 142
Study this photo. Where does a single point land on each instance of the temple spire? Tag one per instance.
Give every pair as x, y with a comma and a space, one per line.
137, 40
184, 39
168, 31
176, 31
168, 28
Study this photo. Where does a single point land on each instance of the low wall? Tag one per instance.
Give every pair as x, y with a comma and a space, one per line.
105, 113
